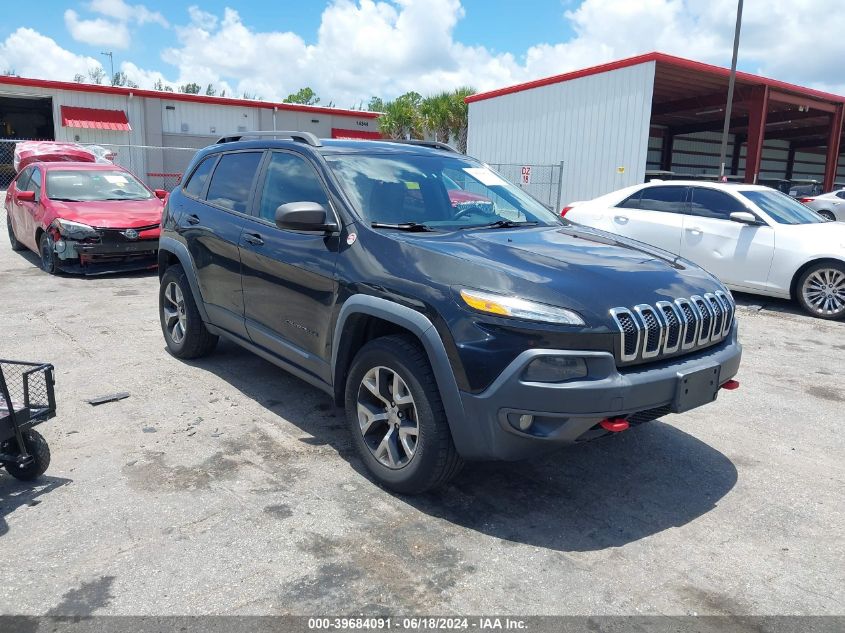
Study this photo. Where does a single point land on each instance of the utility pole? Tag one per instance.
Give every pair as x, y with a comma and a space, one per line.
110, 55
731, 82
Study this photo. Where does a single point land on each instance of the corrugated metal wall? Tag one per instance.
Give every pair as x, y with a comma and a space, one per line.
699, 154
597, 125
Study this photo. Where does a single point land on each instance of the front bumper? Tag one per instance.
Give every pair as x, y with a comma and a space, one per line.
108, 257
569, 412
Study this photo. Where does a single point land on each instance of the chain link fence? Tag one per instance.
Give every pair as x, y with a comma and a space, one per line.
543, 182
157, 167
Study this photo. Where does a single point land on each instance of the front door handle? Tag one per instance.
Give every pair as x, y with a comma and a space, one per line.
695, 230
621, 218
193, 219
254, 239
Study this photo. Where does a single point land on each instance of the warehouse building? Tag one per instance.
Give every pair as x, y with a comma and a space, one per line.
656, 115
153, 133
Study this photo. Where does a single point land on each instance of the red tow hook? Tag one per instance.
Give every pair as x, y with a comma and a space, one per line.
731, 385
614, 425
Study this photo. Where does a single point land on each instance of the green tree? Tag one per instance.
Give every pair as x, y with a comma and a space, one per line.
459, 117
79, 78
192, 88
376, 104
120, 79
436, 112
96, 75
210, 91
401, 117
305, 96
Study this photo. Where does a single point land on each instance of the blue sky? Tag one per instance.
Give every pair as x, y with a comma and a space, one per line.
348, 50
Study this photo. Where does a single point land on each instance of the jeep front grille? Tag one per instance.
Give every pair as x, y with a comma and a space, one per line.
649, 332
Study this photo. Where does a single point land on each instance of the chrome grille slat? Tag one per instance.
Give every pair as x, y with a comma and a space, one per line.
647, 332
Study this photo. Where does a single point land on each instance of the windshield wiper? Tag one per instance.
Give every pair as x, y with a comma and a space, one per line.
501, 224
412, 227
67, 200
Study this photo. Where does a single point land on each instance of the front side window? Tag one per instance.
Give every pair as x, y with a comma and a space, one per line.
841, 194
666, 199
196, 185
710, 203
35, 183
22, 183
440, 192
88, 185
231, 182
782, 208
289, 179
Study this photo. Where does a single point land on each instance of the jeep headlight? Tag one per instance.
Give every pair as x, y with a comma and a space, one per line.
502, 305
74, 230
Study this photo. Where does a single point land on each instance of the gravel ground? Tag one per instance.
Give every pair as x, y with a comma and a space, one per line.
225, 486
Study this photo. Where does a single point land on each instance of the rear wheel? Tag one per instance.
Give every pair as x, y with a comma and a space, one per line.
38, 450
827, 215
47, 250
396, 416
821, 290
13, 240
184, 331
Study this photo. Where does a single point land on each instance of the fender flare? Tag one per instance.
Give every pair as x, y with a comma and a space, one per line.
419, 325
180, 251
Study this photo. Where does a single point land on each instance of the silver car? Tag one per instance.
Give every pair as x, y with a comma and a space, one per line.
830, 205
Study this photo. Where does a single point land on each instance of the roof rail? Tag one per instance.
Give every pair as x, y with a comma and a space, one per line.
302, 137
431, 144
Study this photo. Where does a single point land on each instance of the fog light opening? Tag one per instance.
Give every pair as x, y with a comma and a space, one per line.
525, 422
60, 246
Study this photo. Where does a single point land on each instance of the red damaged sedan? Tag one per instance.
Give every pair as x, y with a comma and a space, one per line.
84, 217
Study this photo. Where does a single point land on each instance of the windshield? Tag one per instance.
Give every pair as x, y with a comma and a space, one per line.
781, 208
88, 185
439, 192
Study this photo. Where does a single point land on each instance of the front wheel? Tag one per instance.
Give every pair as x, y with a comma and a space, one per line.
38, 450
396, 416
184, 331
821, 290
47, 248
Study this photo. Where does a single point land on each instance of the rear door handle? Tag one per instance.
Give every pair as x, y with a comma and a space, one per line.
193, 219
254, 239
695, 230
621, 218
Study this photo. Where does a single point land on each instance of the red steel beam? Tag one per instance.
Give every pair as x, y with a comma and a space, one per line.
758, 108
833, 139
800, 101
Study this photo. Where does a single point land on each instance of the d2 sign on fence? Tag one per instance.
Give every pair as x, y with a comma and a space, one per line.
526, 174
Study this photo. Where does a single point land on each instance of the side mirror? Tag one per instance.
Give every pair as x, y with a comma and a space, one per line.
26, 196
744, 217
161, 194
304, 216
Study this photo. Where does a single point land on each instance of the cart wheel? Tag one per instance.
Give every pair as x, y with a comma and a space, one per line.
37, 448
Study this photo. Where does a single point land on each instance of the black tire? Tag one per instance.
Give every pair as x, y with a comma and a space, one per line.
828, 215
38, 449
811, 281
47, 251
196, 340
435, 460
13, 239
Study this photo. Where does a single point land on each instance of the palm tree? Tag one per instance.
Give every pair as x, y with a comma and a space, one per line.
434, 111
401, 118
458, 117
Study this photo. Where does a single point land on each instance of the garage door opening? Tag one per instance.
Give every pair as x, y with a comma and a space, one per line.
27, 118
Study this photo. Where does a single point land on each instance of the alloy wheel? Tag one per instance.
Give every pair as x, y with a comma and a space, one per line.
387, 417
175, 318
824, 291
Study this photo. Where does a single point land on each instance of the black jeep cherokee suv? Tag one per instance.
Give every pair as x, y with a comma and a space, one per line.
450, 313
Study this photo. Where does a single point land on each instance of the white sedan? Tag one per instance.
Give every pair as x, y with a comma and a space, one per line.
754, 239
830, 205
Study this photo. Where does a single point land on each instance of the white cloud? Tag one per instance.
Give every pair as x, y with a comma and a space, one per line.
97, 32
387, 47
123, 12
31, 54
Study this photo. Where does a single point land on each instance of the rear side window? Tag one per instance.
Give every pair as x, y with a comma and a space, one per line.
289, 179
840, 194
196, 184
232, 180
666, 199
710, 203
633, 202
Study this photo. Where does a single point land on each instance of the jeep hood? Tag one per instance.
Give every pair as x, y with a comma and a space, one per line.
583, 269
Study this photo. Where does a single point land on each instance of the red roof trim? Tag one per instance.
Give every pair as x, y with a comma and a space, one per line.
178, 96
678, 62
362, 134
95, 119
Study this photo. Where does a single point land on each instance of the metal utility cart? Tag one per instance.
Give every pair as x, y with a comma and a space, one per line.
27, 398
